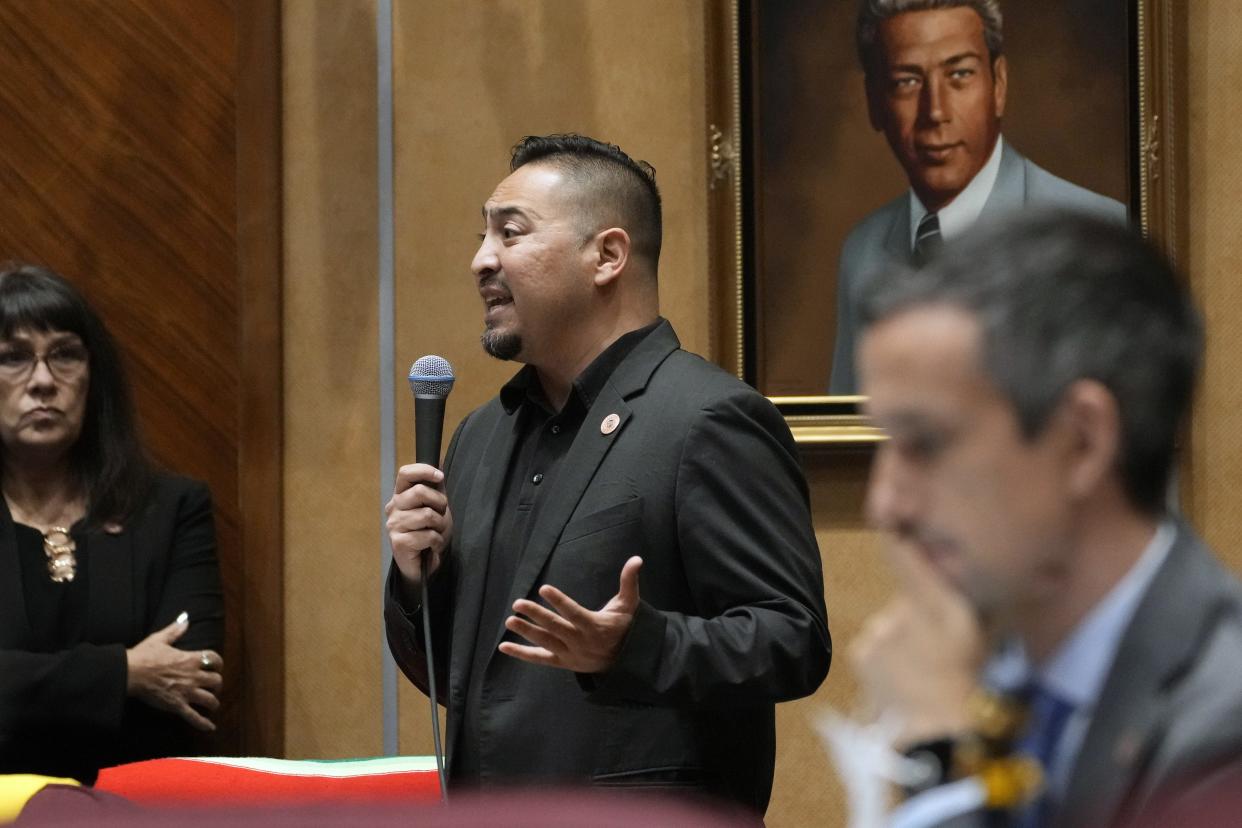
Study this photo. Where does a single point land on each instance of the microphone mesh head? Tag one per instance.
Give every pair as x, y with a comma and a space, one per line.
431, 376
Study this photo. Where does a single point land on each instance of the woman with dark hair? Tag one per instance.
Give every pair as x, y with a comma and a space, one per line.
111, 611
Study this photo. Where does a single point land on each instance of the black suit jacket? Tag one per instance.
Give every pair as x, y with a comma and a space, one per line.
67, 713
702, 480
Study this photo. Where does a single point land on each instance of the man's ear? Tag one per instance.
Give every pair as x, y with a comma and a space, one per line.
612, 254
1091, 413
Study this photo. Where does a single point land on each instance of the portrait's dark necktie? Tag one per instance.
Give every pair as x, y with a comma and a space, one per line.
1049, 715
927, 239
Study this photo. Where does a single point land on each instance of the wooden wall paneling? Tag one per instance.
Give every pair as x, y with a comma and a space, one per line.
261, 415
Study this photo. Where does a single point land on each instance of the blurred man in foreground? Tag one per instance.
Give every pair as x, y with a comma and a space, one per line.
1061, 649
612, 452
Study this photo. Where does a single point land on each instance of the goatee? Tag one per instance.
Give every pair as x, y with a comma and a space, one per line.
501, 345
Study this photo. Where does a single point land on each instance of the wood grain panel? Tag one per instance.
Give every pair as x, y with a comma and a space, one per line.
120, 171
261, 417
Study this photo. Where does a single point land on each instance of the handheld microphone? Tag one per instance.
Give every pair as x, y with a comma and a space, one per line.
431, 380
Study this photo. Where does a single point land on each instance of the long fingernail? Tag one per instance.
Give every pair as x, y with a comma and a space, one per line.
183, 618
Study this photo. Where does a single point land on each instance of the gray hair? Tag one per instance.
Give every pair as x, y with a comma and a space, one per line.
1061, 297
871, 13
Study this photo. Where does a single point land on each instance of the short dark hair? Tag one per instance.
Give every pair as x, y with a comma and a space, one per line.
108, 456
1061, 297
871, 13
610, 177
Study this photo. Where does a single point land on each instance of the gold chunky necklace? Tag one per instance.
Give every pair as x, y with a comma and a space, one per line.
59, 547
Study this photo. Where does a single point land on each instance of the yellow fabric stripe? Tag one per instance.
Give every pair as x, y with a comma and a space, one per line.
17, 788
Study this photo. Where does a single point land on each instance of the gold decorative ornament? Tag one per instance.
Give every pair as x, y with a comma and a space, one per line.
59, 547
724, 157
1149, 148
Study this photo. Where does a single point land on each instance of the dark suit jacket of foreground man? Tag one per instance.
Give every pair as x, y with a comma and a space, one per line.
701, 478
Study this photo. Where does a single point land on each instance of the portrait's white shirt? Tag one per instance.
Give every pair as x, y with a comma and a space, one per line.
956, 216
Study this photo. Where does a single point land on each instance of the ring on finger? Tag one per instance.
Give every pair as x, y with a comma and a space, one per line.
204, 660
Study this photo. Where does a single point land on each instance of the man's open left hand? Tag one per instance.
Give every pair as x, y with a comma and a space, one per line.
570, 636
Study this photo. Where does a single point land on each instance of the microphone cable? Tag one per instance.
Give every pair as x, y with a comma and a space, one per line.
431, 683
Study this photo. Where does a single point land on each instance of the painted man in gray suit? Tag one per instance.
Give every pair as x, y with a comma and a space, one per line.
936, 80
1032, 380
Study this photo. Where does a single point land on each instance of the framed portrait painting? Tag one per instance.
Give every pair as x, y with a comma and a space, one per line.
816, 178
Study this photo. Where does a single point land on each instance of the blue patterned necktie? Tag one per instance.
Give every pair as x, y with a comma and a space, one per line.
927, 239
1049, 715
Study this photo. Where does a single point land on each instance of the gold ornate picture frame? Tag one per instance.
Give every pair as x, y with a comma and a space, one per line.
1154, 172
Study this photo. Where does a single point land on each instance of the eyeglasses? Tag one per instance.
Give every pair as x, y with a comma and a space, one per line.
66, 362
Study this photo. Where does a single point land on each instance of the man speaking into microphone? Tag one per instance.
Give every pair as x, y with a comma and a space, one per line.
623, 577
